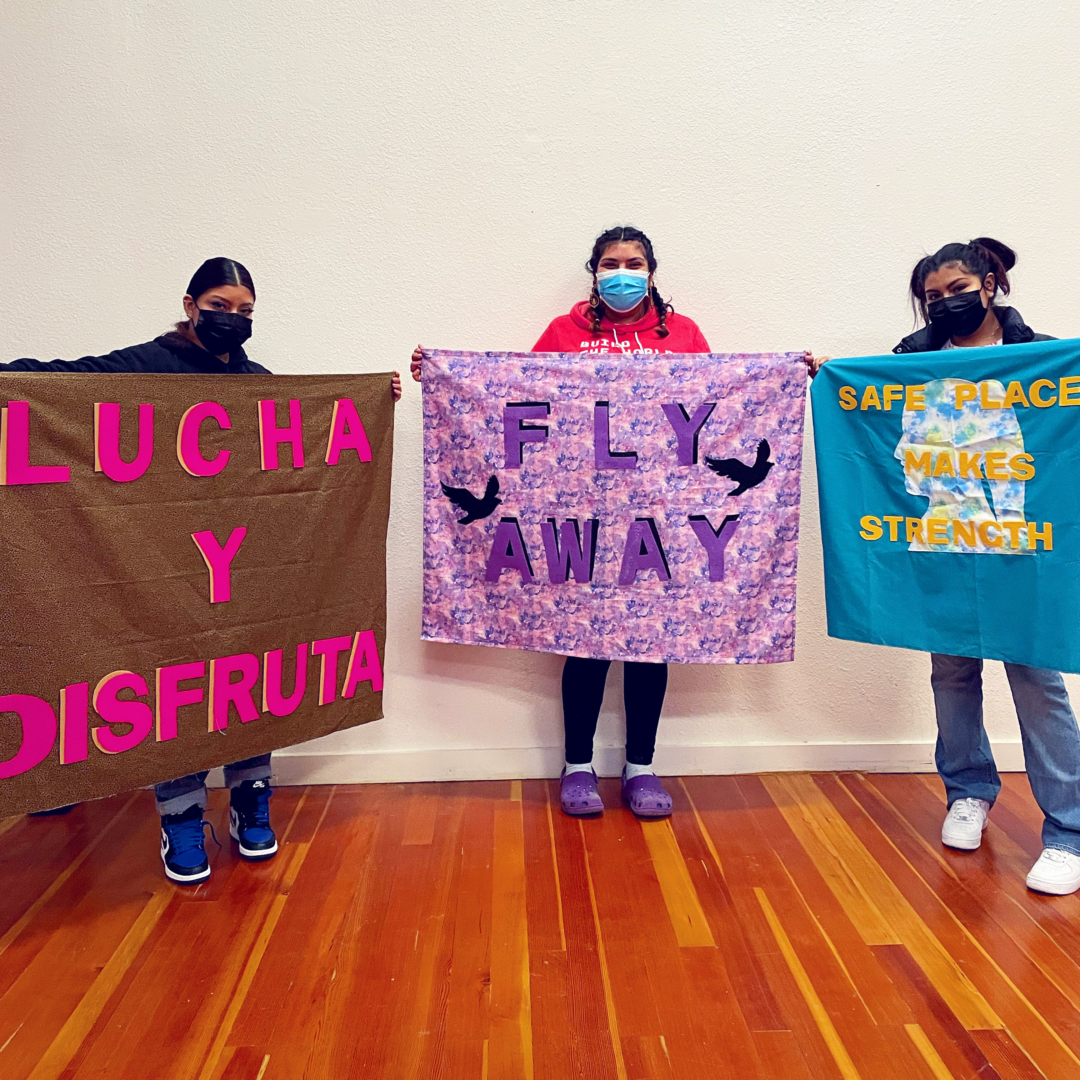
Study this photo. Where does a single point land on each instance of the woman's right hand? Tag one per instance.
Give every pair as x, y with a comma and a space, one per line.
417, 362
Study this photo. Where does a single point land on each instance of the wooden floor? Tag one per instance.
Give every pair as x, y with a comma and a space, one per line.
788, 926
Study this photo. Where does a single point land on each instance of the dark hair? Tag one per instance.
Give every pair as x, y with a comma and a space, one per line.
981, 256
625, 234
219, 271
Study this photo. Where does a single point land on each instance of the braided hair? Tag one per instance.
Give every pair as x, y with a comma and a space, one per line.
625, 234
981, 256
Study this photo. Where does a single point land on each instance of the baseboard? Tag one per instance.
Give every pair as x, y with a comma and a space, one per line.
299, 766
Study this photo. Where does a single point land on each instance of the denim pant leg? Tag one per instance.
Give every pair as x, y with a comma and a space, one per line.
176, 796
252, 768
1051, 751
963, 754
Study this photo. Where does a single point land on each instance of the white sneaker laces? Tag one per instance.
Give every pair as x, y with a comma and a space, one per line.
966, 811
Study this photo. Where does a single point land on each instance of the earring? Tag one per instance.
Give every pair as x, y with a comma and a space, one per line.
594, 299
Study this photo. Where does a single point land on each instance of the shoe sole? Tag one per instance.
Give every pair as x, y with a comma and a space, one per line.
963, 845
185, 879
581, 813
1052, 889
254, 854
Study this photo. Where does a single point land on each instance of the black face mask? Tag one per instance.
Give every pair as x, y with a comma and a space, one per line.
958, 316
222, 331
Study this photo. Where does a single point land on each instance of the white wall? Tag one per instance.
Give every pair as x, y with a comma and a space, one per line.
435, 171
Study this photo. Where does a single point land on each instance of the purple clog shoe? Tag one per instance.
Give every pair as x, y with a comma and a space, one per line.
646, 796
578, 794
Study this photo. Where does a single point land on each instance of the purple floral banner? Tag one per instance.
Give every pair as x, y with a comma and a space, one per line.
640, 507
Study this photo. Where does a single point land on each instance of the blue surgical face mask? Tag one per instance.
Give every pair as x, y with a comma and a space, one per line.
622, 290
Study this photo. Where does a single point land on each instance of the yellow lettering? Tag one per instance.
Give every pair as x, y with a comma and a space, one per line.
893, 521
1069, 388
1014, 395
969, 466
965, 392
943, 466
1023, 466
914, 530
965, 531
1036, 398
937, 530
986, 538
1046, 535
995, 465
919, 464
871, 528
984, 401
915, 399
870, 397
848, 400
892, 392
1013, 529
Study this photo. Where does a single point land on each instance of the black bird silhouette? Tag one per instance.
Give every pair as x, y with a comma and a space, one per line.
474, 508
748, 476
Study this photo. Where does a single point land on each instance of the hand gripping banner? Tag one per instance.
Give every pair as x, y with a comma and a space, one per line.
192, 572
641, 507
950, 506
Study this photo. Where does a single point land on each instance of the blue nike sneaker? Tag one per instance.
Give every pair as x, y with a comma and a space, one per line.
249, 820
182, 849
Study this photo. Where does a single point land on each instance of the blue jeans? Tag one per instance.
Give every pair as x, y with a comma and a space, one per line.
176, 796
1048, 729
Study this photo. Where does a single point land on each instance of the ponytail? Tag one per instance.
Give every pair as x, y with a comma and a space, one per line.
980, 256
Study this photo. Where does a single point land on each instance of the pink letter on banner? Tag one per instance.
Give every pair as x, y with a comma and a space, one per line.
329, 649
224, 691
115, 710
347, 433
170, 697
38, 733
270, 435
218, 561
107, 457
364, 664
74, 723
15, 467
187, 439
274, 701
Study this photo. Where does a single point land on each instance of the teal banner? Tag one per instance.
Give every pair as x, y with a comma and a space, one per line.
949, 486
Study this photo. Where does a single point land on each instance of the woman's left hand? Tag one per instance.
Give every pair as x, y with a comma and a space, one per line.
813, 363
395, 386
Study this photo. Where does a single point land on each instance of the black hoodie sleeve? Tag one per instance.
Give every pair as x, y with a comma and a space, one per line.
87, 363
168, 354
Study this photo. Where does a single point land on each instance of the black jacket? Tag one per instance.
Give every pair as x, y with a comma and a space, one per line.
171, 353
1014, 332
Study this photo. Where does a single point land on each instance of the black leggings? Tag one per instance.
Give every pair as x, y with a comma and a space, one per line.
644, 686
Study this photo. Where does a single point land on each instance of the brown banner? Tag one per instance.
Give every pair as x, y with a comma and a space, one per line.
192, 572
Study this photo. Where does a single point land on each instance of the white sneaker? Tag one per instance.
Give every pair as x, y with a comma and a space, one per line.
964, 824
1057, 872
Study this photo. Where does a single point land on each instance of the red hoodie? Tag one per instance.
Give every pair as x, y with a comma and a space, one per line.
571, 333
